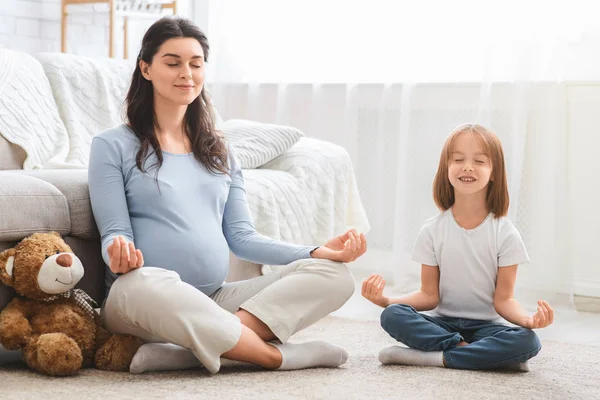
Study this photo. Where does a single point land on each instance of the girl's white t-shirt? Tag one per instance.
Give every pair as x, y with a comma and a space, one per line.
468, 260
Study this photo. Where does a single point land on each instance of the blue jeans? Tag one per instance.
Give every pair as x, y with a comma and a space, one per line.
491, 345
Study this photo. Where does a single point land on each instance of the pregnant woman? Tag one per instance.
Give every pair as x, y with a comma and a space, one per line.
167, 193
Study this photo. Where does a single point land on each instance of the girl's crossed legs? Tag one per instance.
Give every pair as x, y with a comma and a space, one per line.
454, 342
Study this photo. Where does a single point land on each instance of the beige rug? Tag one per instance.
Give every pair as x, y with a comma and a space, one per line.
560, 371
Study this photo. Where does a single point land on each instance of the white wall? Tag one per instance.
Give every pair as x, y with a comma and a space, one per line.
33, 26
584, 156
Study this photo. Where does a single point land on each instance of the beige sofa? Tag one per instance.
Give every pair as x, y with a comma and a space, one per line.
42, 95
58, 200
53, 104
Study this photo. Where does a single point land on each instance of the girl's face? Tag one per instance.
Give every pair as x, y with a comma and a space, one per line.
177, 70
469, 168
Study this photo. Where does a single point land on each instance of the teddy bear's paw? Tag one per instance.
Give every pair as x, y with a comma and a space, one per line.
14, 333
116, 354
54, 354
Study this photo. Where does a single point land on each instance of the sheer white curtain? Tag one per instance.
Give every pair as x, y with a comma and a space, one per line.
388, 80
314, 41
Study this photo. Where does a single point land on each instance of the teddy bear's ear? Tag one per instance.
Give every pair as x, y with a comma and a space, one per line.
7, 259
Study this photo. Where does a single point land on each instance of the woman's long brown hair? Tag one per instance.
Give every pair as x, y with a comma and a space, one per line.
208, 148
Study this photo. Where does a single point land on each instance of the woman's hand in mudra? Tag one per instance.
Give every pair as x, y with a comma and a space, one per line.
123, 256
344, 248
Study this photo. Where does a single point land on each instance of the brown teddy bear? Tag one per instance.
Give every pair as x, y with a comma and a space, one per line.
53, 323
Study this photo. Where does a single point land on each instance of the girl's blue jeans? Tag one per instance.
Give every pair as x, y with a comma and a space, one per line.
491, 345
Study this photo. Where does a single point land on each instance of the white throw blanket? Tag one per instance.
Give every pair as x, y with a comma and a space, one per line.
307, 196
53, 106
28, 114
90, 96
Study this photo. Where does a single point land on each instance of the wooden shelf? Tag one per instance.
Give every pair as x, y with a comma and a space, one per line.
112, 14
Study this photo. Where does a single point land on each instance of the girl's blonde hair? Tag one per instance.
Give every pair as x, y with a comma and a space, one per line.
497, 193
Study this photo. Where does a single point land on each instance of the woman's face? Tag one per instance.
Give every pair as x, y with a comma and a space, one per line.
177, 70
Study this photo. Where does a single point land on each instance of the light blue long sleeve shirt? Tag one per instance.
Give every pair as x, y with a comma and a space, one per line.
190, 225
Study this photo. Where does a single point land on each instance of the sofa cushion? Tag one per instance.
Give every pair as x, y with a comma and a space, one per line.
256, 143
72, 183
29, 205
6, 292
29, 116
90, 254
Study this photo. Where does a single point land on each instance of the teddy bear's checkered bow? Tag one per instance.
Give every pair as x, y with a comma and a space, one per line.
82, 299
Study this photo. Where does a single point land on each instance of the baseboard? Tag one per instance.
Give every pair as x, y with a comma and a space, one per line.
586, 288
587, 304
586, 295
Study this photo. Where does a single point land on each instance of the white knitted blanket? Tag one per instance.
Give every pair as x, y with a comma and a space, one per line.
28, 112
307, 195
53, 106
90, 96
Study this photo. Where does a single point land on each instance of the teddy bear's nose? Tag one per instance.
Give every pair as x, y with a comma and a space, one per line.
64, 260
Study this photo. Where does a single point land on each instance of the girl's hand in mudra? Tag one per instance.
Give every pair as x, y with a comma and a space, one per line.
123, 256
372, 290
344, 248
542, 318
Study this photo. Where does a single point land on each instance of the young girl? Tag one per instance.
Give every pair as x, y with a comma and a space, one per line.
469, 254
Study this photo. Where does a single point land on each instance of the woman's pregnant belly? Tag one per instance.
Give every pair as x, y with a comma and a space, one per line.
199, 254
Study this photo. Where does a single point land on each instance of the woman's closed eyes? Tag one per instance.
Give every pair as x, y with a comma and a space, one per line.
176, 65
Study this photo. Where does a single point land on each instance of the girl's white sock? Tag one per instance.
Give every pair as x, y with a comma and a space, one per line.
404, 356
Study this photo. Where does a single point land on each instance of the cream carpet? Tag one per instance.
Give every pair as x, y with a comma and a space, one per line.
560, 371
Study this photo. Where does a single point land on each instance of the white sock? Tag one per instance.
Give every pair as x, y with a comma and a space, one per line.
310, 355
521, 367
162, 357
404, 356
